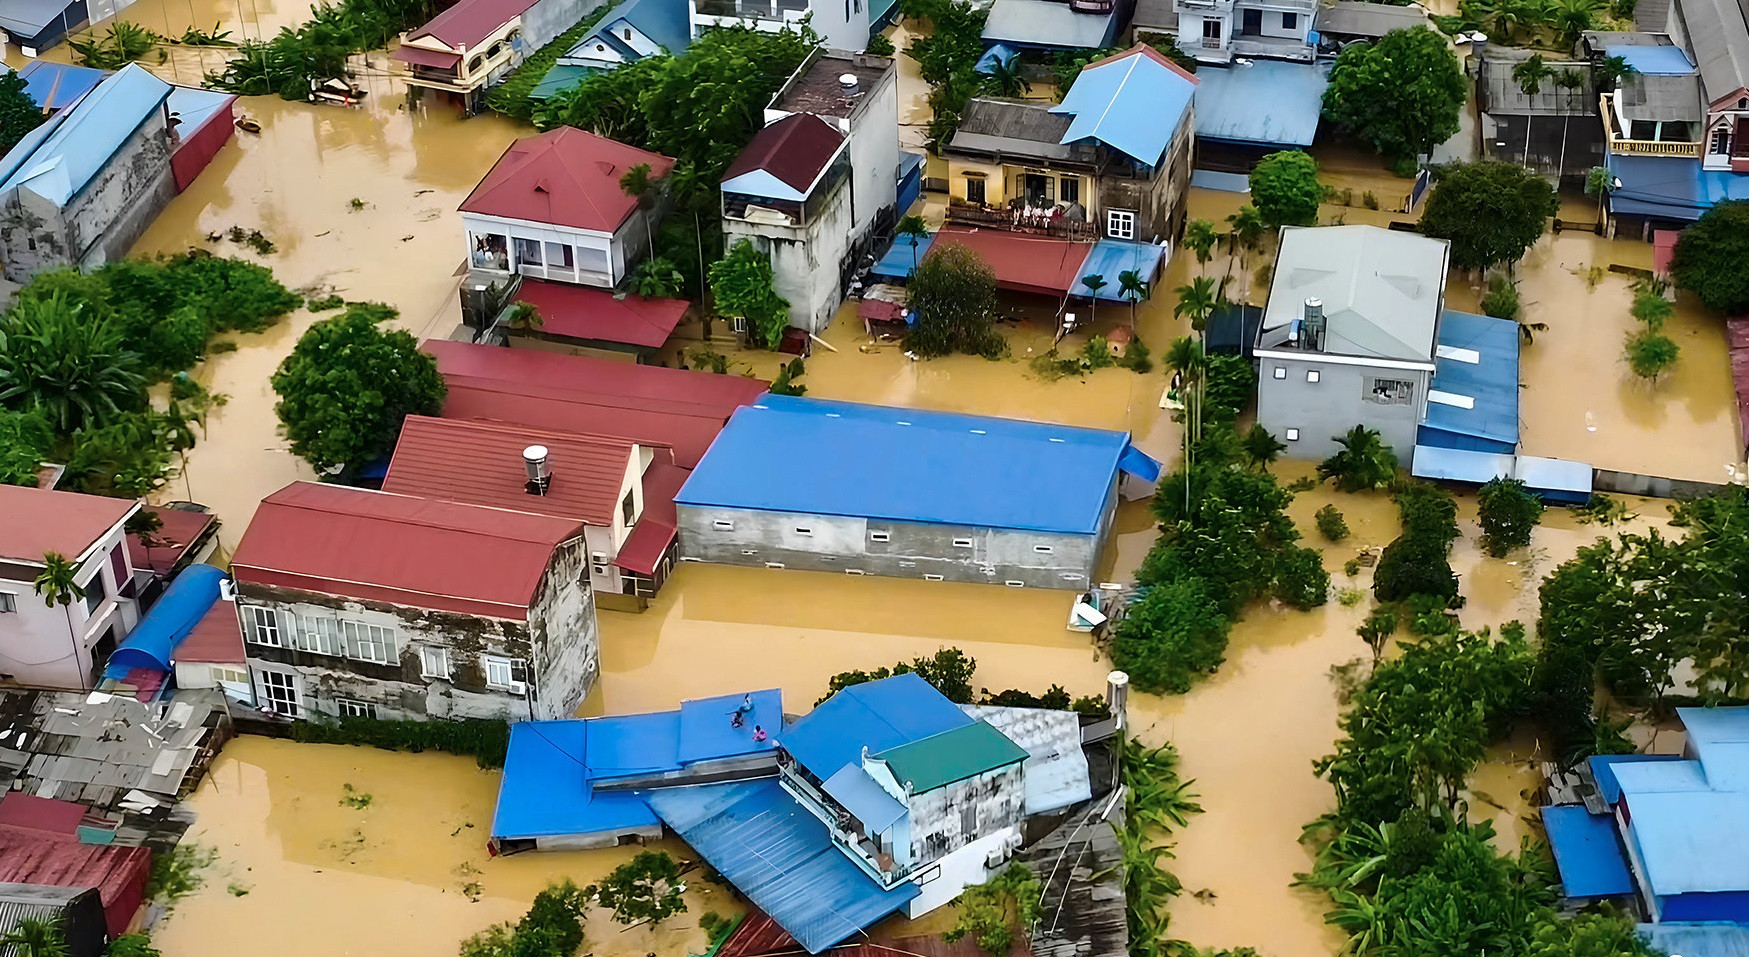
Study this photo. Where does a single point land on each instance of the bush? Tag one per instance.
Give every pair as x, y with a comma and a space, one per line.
484, 739
512, 97
879, 45
1300, 578
553, 927
1331, 524
953, 296
645, 888
1501, 300
1231, 383
1417, 562
949, 670
1508, 510
989, 912
1170, 636
1363, 462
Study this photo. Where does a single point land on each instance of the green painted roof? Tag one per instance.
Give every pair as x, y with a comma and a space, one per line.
559, 79
951, 756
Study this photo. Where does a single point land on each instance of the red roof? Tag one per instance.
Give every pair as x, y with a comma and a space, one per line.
795, 149
1022, 262
657, 529
469, 22
1143, 49
653, 405
216, 639
417, 552
118, 873
178, 530
567, 177
35, 521
419, 56
18, 809
480, 463
579, 312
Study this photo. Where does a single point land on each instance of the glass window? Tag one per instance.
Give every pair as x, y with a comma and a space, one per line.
320, 635
94, 594
1390, 391
1069, 189
1313, 375
280, 691
434, 662
1211, 30
1121, 223
491, 251
1293, 435
626, 509
975, 190
354, 709
528, 252
559, 254
1290, 21
263, 625
1721, 140
505, 673
8, 603
369, 642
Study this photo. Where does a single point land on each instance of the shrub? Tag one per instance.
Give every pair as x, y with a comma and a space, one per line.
553, 927
1501, 300
953, 296
879, 45
988, 912
1331, 524
1300, 578
1363, 462
645, 888
1417, 562
484, 739
1508, 510
1171, 635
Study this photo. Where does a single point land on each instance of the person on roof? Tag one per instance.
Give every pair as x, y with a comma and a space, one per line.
759, 735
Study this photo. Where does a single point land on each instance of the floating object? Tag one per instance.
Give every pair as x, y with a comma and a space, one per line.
248, 124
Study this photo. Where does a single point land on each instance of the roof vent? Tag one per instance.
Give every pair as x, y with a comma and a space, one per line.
847, 83
534, 459
1313, 331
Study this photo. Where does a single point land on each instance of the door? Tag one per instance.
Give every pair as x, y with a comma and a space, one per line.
280, 692
975, 190
1211, 33
1038, 189
1250, 22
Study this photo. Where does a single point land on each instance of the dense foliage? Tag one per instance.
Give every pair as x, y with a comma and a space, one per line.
1402, 95
989, 912
951, 670
1418, 561
347, 385
553, 927
1331, 523
293, 63
1157, 803
1285, 189
19, 114
743, 283
645, 888
1508, 510
1491, 212
1710, 257
1170, 636
484, 739
947, 57
512, 96
1361, 461
953, 296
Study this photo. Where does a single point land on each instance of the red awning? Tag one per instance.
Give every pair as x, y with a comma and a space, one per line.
579, 312
645, 547
1663, 249
41, 814
418, 56
880, 310
1022, 262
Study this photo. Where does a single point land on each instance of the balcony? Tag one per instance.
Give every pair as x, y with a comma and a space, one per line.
1280, 48
858, 848
1627, 147
778, 11
1015, 220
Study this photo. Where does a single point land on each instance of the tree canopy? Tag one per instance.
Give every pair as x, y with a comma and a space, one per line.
19, 114
1361, 461
1285, 189
348, 384
742, 283
1402, 95
647, 887
953, 296
1507, 510
1710, 258
1491, 212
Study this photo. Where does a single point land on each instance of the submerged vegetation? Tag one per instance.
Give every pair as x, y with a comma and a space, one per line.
950, 670
553, 927
293, 63
1156, 803
484, 739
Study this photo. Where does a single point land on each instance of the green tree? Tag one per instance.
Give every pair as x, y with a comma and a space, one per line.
55, 584
553, 927
346, 387
1261, 447
953, 296
913, 229
879, 45
637, 183
1169, 636
73, 368
1006, 78
1200, 238
25, 440
647, 887
1490, 212
1573, 17
1245, 232
1300, 578
989, 912
657, 277
36, 937
1418, 561
1403, 94
742, 282
1531, 74
1131, 286
1364, 461
1650, 354
1196, 302
1094, 282
1710, 256
1611, 70
19, 114
1508, 510
1285, 189
950, 670
1331, 524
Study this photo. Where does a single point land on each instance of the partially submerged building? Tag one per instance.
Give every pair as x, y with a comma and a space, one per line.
841, 25
1248, 110
370, 604
1057, 25
474, 44
907, 493
1552, 129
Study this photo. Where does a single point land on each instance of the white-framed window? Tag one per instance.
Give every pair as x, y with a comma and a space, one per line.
505, 674
434, 662
320, 635
1120, 223
1721, 140
94, 594
1290, 21
8, 603
774, 564
1293, 435
1014, 583
280, 692
599, 558
934, 578
962, 543
723, 525
369, 642
879, 537
803, 530
854, 571
263, 625
1280, 372
1390, 391
349, 708
1313, 375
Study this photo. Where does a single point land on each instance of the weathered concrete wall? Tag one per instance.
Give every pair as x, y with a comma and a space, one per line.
543, 22
874, 152
562, 631
804, 261
1630, 483
1337, 402
912, 550
949, 818
942, 881
1157, 200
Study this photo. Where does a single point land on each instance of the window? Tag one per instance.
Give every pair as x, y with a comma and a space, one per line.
320, 635
434, 662
1069, 189
349, 708
1042, 549
369, 642
1280, 372
8, 603
854, 571
962, 543
559, 254
627, 509
879, 537
1120, 223
1313, 375
804, 531
1211, 33
279, 691
94, 594
969, 818
722, 525
774, 564
508, 674
1390, 391
1290, 21
600, 569
1293, 435
236, 676
474, 64
490, 251
263, 625
932, 578
975, 190
1721, 140
1015, 583
528, 252
628, 33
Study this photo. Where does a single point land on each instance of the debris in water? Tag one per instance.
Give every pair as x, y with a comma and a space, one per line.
358, 800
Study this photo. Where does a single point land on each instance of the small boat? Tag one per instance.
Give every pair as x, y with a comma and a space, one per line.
248, 124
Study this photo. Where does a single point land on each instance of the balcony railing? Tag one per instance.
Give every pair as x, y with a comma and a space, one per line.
751, 9
889, 872
1211, 43
1626, 147
1016, 221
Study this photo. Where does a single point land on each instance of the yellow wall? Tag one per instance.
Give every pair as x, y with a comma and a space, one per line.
1005, 181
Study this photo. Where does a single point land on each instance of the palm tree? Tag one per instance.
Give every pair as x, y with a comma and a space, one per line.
56, 585
1611, 71
913, 228
1133, 287
1531, 73
35, 937
1363, 461
73, 367
1246, 230
1599, 182
1189, 365
638, 184
145, 526
1094, 282
1006, 79
1200, 238
1196, 302
1573, 17
1261, 448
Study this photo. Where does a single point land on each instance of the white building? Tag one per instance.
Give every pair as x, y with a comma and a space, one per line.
1217, 31
841, 24
63, 645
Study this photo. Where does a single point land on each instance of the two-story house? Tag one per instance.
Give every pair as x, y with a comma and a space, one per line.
626, 34
370, 604
474, 44
1220, 31
1716, 32
1112, 159
841, 24
48, 644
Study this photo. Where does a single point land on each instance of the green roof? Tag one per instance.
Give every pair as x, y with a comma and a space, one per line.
950, 756
559, 79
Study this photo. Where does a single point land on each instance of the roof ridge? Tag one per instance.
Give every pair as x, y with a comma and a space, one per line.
500, 425
494, 531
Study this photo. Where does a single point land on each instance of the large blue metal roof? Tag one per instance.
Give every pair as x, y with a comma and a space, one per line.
1712, 939
1691, 818
1668, 188
908, 465
152, 643
1590, 859
58, 159
1603, 771
1269, 103
707, 725
545, 790
1556, 480
780, 856
877, 714
1477, 360
1133, 102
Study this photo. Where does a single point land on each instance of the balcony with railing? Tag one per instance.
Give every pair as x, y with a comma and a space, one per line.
1018, 219
1619, 143
841, 823
777, 10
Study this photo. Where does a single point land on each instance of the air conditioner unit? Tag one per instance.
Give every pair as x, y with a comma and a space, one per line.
517, 687
995, 858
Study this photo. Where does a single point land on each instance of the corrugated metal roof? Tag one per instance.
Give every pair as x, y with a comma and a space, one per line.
1027, 129
909, 465
708, 731
794, 152
600, 315
1381, 289
566, 177
1353, 18
1591, 862
1134, 103
152, 643
1697, 940
1022, 262
877, 715
1670, 188
864, 798
954, 755
1478, 359
1111, 257
1501, 93
38, 521
1718, 35
1044, 23
1653, 59
118, 873
1270, 102
780, 856
545, 792
1056, 767
58, 159
1667, 98
217, 638
178, 530
56, 86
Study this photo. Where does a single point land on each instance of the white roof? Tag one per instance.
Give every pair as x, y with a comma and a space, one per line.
1381, 290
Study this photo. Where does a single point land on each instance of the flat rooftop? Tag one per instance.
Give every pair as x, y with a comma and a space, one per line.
816, 89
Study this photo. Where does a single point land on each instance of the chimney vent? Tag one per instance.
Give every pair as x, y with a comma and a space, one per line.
1313, 337
534, 459
847, 83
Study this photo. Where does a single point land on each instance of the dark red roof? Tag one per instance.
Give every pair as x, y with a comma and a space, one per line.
34, 521
178, 530
118, 873
417, 552
419, 56
216, 639
480, 463
657, 529
1022, 262
28, 811
469, 22
567, 177
653, 405
579, 312
795, 149
1143, 49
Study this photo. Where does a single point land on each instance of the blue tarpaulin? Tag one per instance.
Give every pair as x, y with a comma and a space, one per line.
1112, 257
1664, 187
900, 259
998, 53
780, 856
1269, 103
877, 714
1136, 462
152, 643
1477, 360
1586, 851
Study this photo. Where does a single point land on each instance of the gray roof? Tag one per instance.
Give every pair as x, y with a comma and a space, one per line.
1046, 24
1381, 289
1012, 128
1056, 768
1356, 19
1668, 98
1500, 93
1718, 37
1652, 15
1081, 867
1597, 40
1161, 15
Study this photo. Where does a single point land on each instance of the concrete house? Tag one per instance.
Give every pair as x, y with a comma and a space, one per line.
1349, 336
474, 44
841, 24
1055, 24
1717, 33
621, 490
1218, 31
371, 604
906, 493
626, 34
1112, 159
62, 646
81, 188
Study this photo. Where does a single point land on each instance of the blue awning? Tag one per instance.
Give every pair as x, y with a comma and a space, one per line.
1112, 257
1557, 480
152, 643
1134, 461
898, 262
862, 797
1586, 852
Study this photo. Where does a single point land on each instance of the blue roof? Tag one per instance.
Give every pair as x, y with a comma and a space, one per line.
998, 53
54, 86
1667, 188
1557, 480
559, 79
624, 745
1691, 818
545, 790
1477, 358
1133, 102
152, 644
59, 158
1269, 103
862, 797
1590, 859
1653, 60
1719, 738
897, 263
1603, 771
664, 22
908, 465
877, 715
707, 728
1697, 940
780, 856
194, 107
1113, 256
